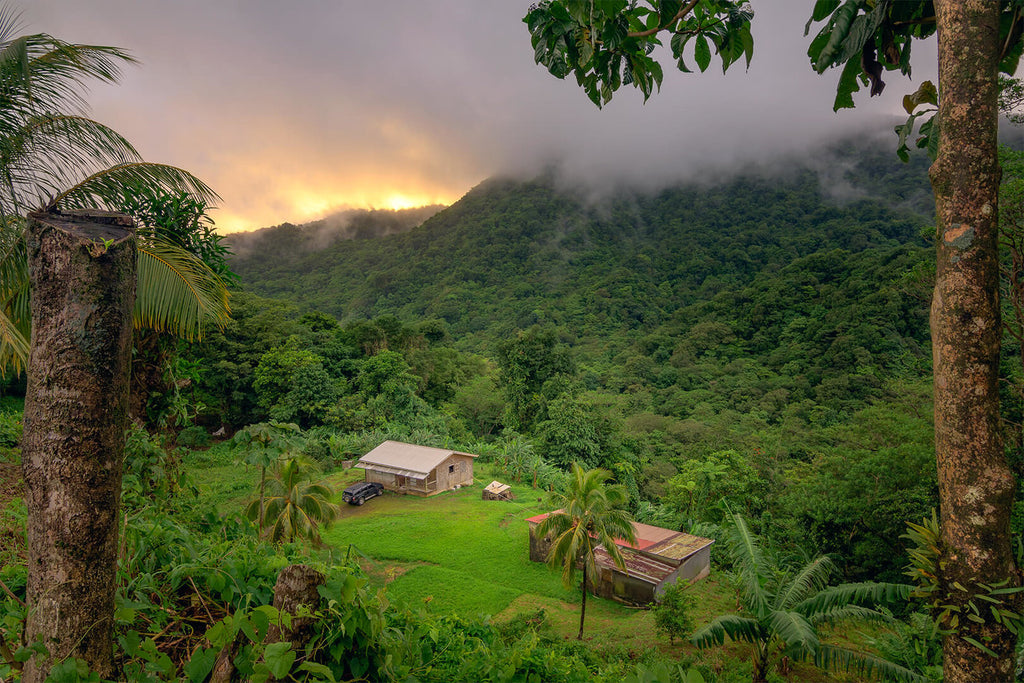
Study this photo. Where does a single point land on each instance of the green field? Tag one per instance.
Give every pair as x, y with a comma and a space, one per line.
456, 553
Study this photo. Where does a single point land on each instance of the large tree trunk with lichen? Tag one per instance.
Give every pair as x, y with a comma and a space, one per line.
976, 485
297, 585
82, 270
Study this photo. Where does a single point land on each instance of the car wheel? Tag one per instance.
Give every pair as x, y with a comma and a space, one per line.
360, 501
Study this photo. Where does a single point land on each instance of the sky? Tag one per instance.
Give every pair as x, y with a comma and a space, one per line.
293, 110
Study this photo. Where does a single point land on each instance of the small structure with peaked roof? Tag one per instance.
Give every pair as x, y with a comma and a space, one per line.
418, 470
659, 558
498, 491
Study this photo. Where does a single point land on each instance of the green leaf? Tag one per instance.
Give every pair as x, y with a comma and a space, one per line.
975, 643
822, 9
318, 669
847, 86
926, 94
201, 664
702, 53
841, 22
279, 658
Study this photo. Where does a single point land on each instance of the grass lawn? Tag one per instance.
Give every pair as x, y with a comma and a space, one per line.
452, 552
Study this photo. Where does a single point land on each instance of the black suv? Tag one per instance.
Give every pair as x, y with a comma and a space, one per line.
357, 494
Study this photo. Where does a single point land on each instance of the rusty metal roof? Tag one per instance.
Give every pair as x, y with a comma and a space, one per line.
406, 458
653, 570
674, 546
680, 546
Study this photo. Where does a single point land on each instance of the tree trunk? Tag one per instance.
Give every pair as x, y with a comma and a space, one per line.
82, 270
296, 585
976, 485
583, 606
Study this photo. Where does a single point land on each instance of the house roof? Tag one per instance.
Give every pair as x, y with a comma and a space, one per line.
666, 543
652, 570
406, 459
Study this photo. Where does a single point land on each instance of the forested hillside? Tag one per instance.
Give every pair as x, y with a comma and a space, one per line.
762, 341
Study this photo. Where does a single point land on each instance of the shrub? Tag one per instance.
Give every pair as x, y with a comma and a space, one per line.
194, 437
673, 614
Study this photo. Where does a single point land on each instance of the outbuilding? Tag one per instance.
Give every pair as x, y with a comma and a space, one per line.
418, 470
659, 558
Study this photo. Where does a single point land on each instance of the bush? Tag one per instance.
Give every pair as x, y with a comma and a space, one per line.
10, 429
194, 437
673, 614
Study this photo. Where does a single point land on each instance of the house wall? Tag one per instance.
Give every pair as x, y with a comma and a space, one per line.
400, 484
696, 566
621, 587
539, 547
456, 470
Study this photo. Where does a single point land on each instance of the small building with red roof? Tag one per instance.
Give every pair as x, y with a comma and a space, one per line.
659, 558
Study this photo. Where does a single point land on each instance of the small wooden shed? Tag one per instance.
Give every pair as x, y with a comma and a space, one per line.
498, 491
418, 470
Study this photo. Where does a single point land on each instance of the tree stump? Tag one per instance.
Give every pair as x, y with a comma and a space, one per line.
82, 269
296, 585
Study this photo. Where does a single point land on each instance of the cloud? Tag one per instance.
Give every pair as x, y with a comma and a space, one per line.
292, 109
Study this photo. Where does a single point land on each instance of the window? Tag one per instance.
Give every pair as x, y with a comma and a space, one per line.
451, 469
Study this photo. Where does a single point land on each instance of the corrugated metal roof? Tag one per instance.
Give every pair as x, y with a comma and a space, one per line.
673, 545
680, 546
406, 459
643, 567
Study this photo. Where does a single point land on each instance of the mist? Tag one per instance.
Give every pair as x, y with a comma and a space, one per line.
292, 112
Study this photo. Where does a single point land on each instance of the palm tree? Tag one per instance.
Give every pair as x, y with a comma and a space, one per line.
53, 157
265, 445
783, 606
294, 506
591, 517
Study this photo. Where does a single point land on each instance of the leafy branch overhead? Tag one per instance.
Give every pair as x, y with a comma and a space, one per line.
608, 44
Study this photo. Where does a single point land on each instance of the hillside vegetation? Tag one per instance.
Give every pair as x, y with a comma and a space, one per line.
755, 346
761, 342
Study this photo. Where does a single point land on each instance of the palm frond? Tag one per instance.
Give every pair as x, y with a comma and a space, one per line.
15, 317
177, 292
854, 593
810, 579
729, 625
746, 552
43, 155
106, 187
834, 658
848, 612
793, 629
14, 346
42, 73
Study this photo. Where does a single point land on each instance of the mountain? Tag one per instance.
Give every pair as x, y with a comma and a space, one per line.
292, 241
513, 253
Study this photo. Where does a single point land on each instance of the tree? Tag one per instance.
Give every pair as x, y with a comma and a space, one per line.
294, 507
529, 362
292, 384
180, 220
673, 613
783, 606
607, 45
55, 158
264, 445
591, 517
76, 410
